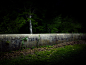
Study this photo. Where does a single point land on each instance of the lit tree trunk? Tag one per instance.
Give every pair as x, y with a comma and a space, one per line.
30, 21
30, 26
29, 15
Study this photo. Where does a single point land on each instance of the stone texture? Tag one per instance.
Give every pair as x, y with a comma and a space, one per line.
32, 40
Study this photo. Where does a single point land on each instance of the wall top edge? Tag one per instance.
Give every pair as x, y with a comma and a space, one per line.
42, 34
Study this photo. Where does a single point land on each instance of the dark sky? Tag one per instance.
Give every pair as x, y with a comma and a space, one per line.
66, 7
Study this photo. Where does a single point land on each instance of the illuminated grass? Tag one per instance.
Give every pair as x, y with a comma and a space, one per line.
66, 55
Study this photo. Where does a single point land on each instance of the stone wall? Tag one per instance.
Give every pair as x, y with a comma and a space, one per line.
11, 42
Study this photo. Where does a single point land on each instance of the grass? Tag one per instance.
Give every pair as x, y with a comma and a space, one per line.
66, 55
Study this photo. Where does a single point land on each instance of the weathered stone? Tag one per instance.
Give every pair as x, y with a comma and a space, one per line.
16, 40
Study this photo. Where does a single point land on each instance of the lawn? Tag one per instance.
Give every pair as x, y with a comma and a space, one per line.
67, 53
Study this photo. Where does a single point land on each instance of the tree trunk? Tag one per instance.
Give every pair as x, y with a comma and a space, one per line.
30, 26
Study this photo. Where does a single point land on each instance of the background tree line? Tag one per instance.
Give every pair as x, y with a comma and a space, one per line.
46, 18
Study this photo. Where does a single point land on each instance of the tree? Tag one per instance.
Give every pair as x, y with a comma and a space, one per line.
63, 25
70, 25
11, 26
43, 19
54, 24
25, 13
29, 12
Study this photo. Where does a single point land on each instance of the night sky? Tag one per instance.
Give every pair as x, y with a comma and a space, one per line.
65, 7
69, 4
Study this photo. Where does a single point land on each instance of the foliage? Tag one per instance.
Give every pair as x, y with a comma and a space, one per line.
72, 53
55, 24
42, 12
7, 42
40, 28
64, 25
9, 26
69, 26
39, 22
24, 39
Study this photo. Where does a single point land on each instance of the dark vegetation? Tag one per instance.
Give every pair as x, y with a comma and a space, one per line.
47, 17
